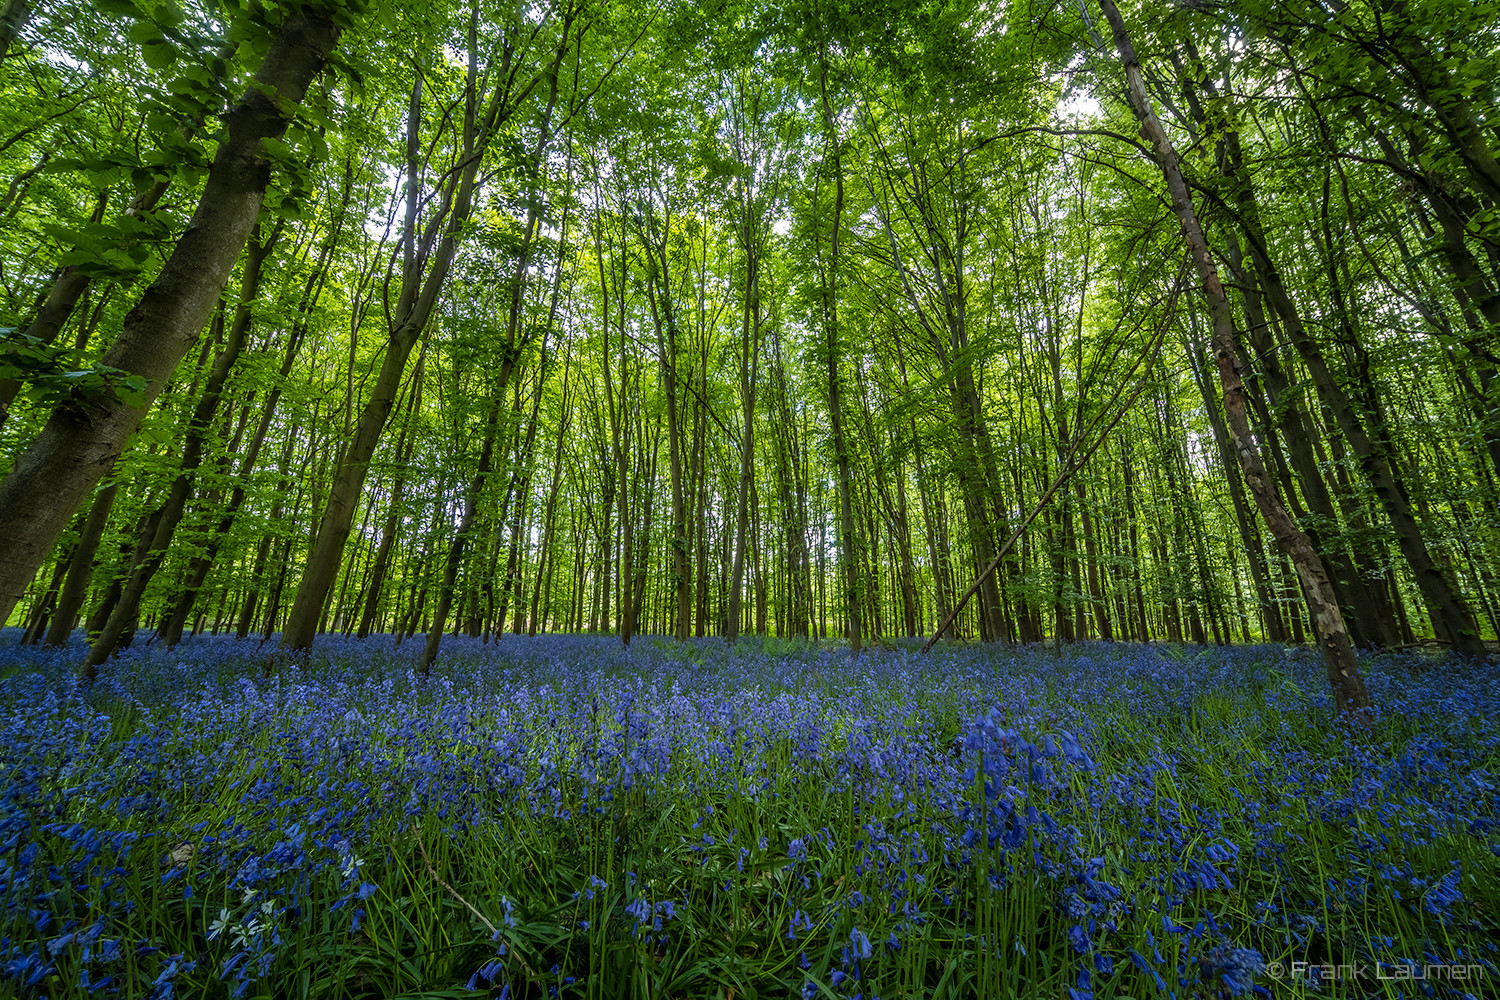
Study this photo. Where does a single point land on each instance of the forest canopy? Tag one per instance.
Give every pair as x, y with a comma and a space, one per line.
607, 315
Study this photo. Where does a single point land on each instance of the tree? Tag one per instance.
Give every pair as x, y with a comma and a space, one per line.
84, 436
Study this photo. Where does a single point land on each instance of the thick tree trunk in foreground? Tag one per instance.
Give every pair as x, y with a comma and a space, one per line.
13, 17
82, 439
1338, 652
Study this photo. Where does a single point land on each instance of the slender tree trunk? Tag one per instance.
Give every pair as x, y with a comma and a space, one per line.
171, 512
833, 352
81, 568
549, 518
1096, 587
1338, 652
36, 626
664, 317
1244, 520
749, 368
392, 523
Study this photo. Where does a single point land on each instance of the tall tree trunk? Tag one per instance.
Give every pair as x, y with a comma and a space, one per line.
36, 624
83, 437
549, 517
1244, 520
833, 352
660, 295
392, 525
81, 568
1142, 623
1338, 652
1096, 588
172, 510
749, 375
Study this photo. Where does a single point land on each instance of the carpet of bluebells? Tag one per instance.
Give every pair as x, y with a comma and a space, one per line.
563, 817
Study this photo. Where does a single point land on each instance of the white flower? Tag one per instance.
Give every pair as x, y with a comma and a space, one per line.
219, 926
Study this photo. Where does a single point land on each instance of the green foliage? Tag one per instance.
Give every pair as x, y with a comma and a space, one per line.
52, 376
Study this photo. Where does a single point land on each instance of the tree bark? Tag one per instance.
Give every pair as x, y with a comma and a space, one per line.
749, 376
13, 17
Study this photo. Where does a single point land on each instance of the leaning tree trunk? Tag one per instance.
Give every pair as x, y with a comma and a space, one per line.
80, 568
1338, 652
82, 438
108, 640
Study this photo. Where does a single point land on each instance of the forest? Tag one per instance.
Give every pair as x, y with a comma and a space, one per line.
747, 320
470, 396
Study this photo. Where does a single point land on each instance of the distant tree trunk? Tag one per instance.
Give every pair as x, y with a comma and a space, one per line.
81, 568
36, 626
172, 510
758, 566
833, 352
1338, 652
520, 489
378, 572
1244, 520
549, 517
1091, 554
749, 376
83, 437
664, 317
1143, 623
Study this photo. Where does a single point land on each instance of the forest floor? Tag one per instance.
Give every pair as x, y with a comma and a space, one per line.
560, 816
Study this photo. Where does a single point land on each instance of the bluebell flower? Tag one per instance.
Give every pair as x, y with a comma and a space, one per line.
860, 942
1236, 967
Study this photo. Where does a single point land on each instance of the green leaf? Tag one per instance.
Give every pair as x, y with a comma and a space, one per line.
169, 15
132, 391
145, 33
277, 150
159, 55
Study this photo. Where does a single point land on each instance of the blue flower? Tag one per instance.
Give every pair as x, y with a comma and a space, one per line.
1237, 967
861, 943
